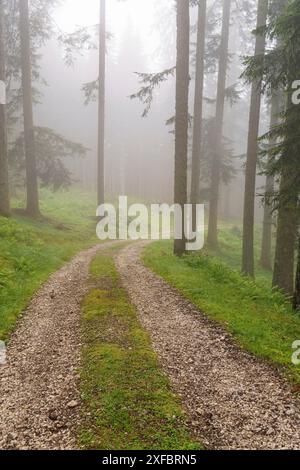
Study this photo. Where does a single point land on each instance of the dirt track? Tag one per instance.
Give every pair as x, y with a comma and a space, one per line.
233, 400
39, 403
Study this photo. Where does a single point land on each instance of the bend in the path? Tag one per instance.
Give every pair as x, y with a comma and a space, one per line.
234, 401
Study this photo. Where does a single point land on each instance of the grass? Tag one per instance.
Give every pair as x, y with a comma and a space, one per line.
261, 320
129, 404
31, 250
230, 250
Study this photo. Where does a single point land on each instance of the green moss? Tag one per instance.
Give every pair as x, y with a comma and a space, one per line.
261, 320
129, 402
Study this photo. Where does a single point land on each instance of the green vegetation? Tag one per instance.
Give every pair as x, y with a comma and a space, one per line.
230, 249
31, 250
262, 321
128, 400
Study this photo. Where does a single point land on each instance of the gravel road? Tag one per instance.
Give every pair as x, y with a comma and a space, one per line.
233, 400
39, 402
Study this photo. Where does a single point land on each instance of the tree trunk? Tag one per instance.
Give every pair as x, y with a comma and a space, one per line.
198, 109
4, 186
283, 276
266, 248
212, 238
101, 103
252, 152
181, 120
296, 300
31, 171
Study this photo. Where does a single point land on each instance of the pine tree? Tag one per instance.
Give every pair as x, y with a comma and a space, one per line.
182, 115
101, 102
268, 219
26, 31
4, 186
252, 148
287, 63
287, 221
278, 70
198, 107
212, 238
296, 299
31, 170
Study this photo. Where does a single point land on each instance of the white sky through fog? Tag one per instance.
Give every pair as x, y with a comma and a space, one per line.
139, 13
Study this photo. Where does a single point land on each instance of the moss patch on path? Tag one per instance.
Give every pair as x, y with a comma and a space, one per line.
128, 402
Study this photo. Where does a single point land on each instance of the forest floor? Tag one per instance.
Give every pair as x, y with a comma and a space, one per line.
114, 352
82, 373
261, 320
128, 402
40, 399
32, 250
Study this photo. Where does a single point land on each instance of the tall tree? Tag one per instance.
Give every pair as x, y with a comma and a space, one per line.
252, 148
198, 107
284, 69
279, 69
4, 186
296, 299
31, 170
288, 165
212, 238
101, 103
182, 118
287, 221
266, 247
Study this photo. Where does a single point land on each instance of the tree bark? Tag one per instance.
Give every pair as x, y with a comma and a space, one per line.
31, 170
101, 104
266, 247
296, 300
198, 109
4, 184
283, 276
252, 152
212, 238
181, 120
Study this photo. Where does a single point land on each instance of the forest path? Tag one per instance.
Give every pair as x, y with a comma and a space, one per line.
233, 400
39, 393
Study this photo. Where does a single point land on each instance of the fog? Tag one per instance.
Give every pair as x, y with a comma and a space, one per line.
139, 152
149, 213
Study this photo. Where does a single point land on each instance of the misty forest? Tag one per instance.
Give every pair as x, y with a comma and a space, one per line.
136, 342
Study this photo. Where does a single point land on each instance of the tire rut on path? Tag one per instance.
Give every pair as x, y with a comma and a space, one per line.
233, 400
39, 398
